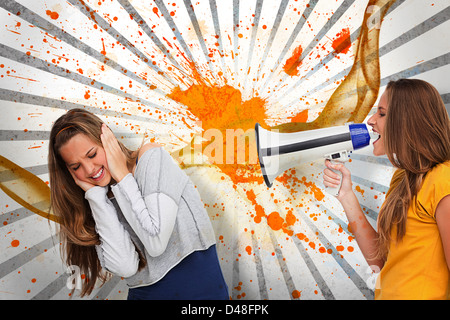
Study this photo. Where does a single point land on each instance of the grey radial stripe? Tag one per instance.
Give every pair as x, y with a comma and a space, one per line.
321, 283
235, 253
263, 294
174, 28
328, 25
20, 135
410, 72
353, 37
8, 175
417, 31
18, 56
31, 17
371, 159
22, 97
257, 16
198, 32
370, 184
411, 34
303, 18
236, 34
283, 266
107, 288
418, 69
16, 215
446, 98
92, 15
371, 213
215, 17
338, 221
273, 32
143, 24
52, 288
356, 279
26, 256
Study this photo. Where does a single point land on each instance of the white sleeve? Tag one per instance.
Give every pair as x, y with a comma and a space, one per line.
152, 217
116, 252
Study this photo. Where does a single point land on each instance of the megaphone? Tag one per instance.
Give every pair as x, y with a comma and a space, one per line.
278, 152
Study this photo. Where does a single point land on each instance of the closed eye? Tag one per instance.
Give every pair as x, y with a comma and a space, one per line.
381, 112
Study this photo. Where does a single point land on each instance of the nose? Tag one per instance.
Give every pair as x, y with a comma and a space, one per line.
372, 120
89, 168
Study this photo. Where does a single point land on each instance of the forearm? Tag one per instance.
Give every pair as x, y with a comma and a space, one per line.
152, 217
116, 252
364, 233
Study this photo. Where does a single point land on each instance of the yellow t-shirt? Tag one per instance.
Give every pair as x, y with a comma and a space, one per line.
416, 267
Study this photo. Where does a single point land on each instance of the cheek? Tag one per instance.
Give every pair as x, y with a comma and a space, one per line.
101, 158
79, 174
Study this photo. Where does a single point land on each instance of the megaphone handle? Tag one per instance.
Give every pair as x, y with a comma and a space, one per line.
335, 191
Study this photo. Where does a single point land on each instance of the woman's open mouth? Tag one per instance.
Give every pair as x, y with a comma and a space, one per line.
99, 175
374, 136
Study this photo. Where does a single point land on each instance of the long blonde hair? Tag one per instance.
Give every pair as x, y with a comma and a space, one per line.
77, 226
417, 138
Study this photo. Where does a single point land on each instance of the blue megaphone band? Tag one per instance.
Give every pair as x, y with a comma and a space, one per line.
360, 135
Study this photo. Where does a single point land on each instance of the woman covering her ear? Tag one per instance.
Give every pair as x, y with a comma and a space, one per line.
134, 214
412, 243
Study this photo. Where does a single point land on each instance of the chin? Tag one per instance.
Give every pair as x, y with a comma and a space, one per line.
378, 152
105, 181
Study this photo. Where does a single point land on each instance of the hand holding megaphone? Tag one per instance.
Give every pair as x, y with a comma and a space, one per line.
337, 178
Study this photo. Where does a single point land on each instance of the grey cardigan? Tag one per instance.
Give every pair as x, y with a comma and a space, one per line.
158, 210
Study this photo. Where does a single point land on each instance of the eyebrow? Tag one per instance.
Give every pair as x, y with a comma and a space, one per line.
85, 156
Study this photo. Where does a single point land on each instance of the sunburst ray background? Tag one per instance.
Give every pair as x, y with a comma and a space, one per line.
171, 71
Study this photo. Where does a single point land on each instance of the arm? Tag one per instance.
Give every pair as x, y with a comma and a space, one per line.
150, 201
443, 222
365, 234
116, 252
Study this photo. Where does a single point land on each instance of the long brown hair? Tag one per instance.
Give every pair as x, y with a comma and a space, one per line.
77, 225
417, 138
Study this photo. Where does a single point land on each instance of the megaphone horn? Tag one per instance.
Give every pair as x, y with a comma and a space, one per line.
278, 152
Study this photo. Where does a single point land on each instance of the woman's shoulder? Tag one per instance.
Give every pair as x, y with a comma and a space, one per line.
146, 147
440, 171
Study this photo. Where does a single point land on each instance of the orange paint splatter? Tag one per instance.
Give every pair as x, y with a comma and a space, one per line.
275, 221
300, 117
342, 43
249, 250
155, 11
296, 294
290, 218
104, 49
292, 64
52, 14
358, 188
15, 243
221, 109
290, 181
258, 208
